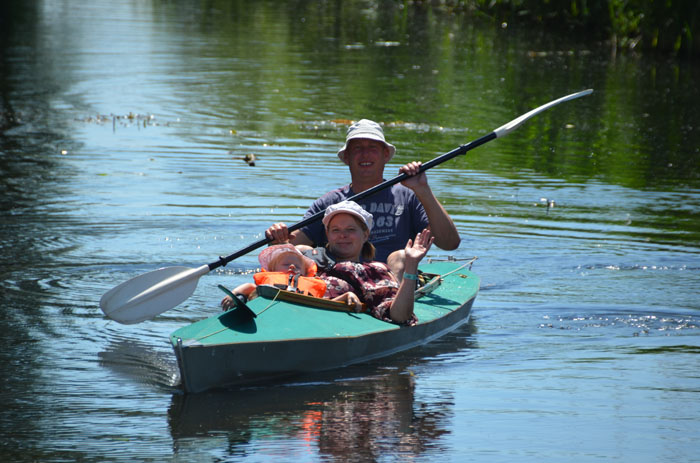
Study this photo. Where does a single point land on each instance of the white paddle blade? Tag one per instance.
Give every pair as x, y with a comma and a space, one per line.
150, 294
515, 123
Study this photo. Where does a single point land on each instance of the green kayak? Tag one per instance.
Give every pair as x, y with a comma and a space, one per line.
292, 337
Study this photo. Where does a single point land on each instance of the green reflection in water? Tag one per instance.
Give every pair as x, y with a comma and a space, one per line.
443, 80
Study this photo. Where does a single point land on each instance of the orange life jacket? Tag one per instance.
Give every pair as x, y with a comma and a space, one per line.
305, 285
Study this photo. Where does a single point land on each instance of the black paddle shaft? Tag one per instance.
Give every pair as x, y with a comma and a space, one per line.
386, 184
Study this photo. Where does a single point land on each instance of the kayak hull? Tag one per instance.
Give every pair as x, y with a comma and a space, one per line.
287, 339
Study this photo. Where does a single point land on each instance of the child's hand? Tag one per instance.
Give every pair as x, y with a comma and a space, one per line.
226, 303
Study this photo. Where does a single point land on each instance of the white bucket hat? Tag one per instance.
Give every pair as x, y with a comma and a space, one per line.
364, 128
348, 207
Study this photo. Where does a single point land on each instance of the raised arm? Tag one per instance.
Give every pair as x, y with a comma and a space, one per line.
402, 307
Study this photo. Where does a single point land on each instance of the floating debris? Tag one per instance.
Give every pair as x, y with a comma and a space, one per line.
127, 120
250, 159
387, 43
546, 54
547, 202
335, 124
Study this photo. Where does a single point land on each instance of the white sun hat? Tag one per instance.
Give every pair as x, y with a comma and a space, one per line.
348, 207
364, 128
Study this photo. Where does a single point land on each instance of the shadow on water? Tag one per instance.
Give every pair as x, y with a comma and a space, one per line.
142, 363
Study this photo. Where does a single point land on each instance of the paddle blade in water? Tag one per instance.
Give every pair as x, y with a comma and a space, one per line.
150, 294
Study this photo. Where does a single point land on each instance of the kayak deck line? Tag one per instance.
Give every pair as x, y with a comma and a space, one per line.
274, 293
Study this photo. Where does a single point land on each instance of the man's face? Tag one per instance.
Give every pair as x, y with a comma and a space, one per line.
366, 158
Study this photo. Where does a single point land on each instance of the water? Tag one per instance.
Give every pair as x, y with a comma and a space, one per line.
123, 128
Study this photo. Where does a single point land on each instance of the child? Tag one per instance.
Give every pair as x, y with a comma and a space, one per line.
283, 265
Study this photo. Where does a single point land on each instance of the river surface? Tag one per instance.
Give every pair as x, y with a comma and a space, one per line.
123, 130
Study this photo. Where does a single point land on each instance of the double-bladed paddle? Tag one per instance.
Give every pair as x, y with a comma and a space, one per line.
145, 296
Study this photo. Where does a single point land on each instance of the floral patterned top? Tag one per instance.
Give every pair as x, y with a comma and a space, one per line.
372, 282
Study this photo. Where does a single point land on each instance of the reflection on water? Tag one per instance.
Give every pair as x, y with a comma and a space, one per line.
124, 127
359, 419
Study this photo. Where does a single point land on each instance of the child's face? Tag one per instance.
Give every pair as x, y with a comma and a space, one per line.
288, 261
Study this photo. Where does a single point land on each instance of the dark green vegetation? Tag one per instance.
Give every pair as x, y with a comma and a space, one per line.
667, 26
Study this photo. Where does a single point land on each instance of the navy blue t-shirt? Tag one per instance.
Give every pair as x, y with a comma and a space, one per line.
398, 217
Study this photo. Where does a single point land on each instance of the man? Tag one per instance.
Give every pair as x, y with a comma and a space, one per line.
400, 212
